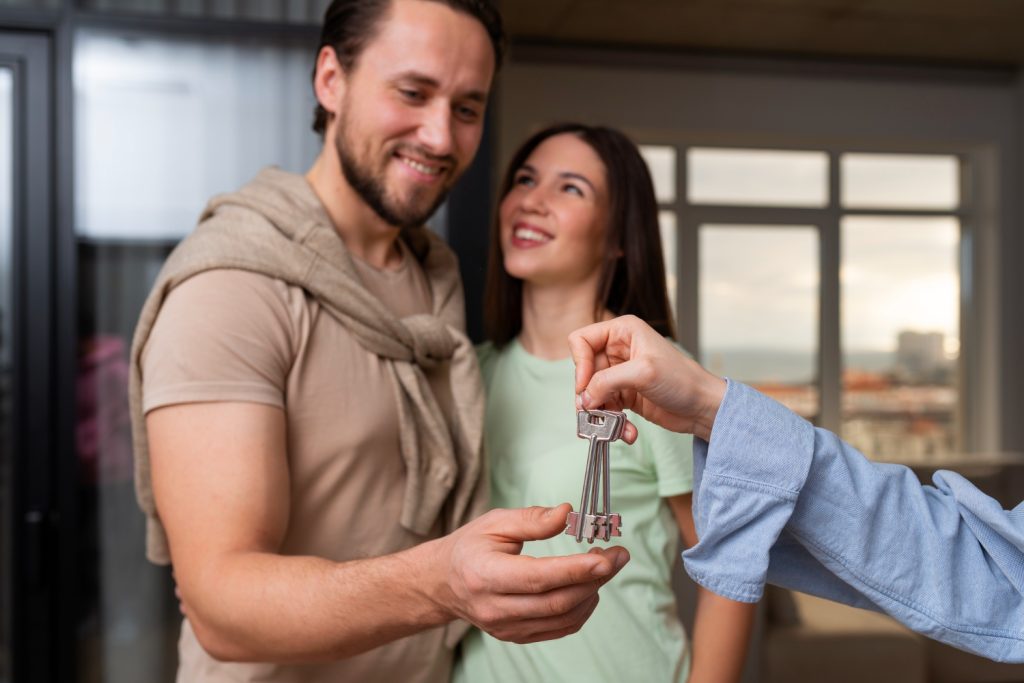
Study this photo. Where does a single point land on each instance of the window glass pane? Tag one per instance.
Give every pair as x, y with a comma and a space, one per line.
752, 177
661, 160
6, 282
899, 181
759, 309
900, 334
161, 125
667, 223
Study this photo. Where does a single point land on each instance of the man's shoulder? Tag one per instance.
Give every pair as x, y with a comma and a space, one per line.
228, 301
235, 285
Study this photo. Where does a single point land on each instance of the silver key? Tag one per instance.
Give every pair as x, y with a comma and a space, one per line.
600, 428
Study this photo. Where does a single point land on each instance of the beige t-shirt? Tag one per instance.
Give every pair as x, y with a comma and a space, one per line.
232, 335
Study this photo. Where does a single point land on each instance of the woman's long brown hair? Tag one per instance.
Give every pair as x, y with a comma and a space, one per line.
633, 283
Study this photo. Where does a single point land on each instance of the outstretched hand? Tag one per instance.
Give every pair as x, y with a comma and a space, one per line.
624, 363
516, 597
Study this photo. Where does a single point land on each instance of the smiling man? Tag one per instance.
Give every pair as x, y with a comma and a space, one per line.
306, 406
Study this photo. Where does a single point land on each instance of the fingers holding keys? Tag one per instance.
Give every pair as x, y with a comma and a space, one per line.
629, 432
624, 361
520, 598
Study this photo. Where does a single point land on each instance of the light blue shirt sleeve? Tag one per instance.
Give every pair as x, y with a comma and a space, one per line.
778, 500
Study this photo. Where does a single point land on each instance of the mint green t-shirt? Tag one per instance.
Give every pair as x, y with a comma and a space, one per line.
536, 458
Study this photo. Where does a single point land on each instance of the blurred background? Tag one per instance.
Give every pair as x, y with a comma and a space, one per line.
839, 188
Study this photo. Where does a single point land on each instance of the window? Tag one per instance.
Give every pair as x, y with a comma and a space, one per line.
827, 278
758, 307
754, 177
161, 124
900, 299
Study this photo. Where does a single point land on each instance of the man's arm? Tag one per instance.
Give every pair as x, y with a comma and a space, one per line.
221, 485
784, 502
947, 561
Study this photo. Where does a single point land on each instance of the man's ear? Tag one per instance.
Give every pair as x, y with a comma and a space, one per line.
330, 80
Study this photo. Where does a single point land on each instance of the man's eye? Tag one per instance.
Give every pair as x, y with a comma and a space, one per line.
409, 94
467, 113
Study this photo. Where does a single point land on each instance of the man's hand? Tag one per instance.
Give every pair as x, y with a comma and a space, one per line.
516, 597
623, 363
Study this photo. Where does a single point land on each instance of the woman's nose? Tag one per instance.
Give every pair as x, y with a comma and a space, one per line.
534, 200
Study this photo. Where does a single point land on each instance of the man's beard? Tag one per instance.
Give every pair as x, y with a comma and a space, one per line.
371, 189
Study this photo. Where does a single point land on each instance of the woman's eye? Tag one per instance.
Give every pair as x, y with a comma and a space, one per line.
523, 180
573, 189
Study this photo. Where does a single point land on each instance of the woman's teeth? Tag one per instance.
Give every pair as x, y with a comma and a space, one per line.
531, 235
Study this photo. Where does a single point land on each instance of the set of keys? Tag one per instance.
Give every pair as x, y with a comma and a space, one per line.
591, 522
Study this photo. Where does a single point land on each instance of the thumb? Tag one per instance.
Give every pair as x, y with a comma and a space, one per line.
534, 523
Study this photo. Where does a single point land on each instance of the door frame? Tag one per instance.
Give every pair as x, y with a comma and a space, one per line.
34, 561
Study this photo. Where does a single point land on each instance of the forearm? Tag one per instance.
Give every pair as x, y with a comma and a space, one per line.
265, 607
946, 560
721, 635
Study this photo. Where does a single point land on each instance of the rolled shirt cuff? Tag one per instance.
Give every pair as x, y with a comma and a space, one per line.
746, 484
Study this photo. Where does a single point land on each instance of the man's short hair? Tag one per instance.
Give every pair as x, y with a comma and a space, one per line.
350, 25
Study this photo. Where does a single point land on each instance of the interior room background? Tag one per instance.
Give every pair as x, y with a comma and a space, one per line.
840, 208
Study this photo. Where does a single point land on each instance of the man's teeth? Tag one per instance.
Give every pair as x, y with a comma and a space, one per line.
531, 235
422, 168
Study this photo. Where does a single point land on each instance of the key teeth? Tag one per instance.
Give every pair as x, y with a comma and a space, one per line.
595, 527
572, 521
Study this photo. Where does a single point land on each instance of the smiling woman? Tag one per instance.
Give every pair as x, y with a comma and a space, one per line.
576, 240
548, 204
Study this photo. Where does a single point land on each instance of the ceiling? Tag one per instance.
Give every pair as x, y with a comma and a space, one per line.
966, 32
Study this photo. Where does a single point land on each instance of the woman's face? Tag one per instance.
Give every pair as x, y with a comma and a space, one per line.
554, 217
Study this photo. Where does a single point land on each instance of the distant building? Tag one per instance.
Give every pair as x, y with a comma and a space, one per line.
920, 357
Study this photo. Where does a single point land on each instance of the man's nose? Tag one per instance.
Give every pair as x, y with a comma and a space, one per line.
435, 130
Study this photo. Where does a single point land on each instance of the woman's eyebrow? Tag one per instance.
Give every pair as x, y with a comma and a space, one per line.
577, 176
